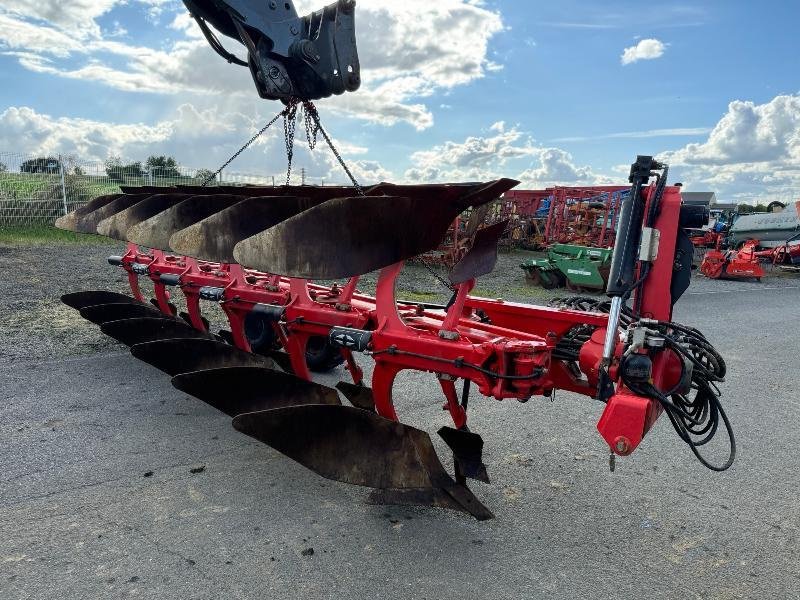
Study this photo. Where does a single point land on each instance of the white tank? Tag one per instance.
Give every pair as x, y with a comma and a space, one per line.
771, 229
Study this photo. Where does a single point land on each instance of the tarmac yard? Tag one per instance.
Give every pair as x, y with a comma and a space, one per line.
114, 484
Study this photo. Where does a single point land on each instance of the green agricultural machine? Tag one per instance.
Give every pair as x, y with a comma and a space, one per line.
576, 267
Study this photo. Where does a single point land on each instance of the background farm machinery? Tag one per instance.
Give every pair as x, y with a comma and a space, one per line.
578, 268
742, 243
563, 215
267, 256
537, 219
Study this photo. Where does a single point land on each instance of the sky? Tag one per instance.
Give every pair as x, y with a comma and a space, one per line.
550, 93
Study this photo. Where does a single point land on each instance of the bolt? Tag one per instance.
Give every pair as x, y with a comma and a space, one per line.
273, 5
621, 445
293, 29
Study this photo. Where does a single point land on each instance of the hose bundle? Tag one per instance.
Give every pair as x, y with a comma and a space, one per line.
695, 414
569, 346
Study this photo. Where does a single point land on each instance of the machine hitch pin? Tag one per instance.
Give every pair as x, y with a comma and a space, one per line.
612, 462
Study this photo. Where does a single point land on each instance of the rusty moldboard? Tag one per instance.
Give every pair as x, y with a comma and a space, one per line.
238, 390
116, 226
156, 231
352, 236
355, 446
184, 355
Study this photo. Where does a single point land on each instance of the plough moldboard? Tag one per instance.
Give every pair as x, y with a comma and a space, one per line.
261, 253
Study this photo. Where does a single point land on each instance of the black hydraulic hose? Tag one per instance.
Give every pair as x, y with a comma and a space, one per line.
696, 413
216, 45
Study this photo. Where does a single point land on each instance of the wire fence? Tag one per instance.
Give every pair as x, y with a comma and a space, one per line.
36, 189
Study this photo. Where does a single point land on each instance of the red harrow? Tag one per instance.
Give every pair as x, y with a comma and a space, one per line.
257, 252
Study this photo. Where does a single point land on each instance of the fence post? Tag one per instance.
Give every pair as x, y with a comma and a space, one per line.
63, 184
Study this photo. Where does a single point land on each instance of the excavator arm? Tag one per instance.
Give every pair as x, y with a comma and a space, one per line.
289, 57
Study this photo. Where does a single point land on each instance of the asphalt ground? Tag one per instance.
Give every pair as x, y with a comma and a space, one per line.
113, 484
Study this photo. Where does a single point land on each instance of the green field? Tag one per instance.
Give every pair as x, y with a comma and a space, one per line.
28, 185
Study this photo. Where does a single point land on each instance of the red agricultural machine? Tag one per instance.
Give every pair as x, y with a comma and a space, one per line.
584, 216
257, 252
268, 256
734, 264
746, 262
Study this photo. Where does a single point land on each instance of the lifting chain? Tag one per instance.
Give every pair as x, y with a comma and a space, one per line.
431, 270
313, 127
289, 124
310, 109
213, 175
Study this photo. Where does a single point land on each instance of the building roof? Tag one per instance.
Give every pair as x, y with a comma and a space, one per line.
699, 198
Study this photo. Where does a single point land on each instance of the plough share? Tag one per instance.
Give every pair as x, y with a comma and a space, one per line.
266, 256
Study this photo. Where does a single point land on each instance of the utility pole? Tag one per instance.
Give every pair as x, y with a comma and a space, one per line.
303, 176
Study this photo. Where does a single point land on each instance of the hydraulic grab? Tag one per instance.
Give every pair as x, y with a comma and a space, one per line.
266, 256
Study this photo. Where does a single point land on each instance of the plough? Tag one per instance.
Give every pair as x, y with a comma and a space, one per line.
267, 257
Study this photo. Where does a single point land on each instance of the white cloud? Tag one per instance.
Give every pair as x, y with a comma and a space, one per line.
199, 138
649, 133
750, 133
647, 49
556, 167
36, 39
476, 158
502, 153
408, 52
23, 127
76, 17
753, 151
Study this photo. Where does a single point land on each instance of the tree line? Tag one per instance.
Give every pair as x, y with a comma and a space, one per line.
116, 170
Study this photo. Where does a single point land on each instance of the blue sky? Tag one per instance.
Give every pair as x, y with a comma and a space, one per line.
454, 89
